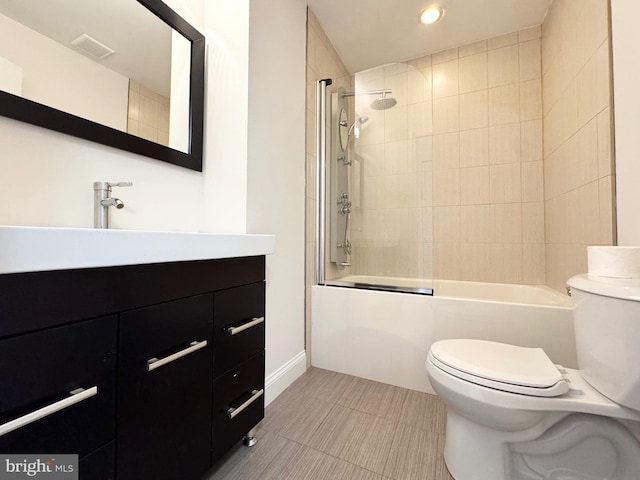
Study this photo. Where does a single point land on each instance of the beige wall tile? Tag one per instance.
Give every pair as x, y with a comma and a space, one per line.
562, 262
606, 198
373, 191
604, 143
505, 183
474, 111
474, 185
446, 151
530, 33
593, 85
399, 86
419, 85
504, 144
502, 40
427, 224
507, 222
445, 115
402, 191
476, 224
445, 79
531, 141
562, 120
420, 121
505, 263
426, 177
420, 62
532, 182
533, 264
447, 260
475, 262
533, 222
473, 72
421, 148
503, 66
373, 131
472, 48
372, 158
585, 154
474, 147
396, 124
530, 100
396, 159
447, 224
446, 187
504, 104
529, 60
444, 56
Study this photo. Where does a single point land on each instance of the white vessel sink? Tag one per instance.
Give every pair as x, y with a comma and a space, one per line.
31, 249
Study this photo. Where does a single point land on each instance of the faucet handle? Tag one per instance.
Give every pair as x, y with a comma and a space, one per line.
120, 184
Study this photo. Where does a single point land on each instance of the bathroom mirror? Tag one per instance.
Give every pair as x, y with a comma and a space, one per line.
344, 130
124, 73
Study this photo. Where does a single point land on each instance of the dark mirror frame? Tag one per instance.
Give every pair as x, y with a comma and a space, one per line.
35, 113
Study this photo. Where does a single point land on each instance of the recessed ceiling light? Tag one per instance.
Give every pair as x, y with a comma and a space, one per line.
430, 14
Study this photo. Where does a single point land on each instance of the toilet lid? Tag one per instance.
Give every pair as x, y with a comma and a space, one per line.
509, 368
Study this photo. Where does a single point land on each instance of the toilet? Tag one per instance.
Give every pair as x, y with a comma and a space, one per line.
514, 415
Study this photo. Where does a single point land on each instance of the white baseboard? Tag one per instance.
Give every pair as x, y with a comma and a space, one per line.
284, 376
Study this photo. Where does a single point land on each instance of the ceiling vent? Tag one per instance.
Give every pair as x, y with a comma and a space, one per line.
92, 47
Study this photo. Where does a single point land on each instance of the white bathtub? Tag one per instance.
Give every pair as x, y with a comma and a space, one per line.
386, 336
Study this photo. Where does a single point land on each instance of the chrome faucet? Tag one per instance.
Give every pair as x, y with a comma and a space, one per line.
102, 200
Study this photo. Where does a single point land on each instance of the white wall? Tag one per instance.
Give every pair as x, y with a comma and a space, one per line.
276, 176
626, 79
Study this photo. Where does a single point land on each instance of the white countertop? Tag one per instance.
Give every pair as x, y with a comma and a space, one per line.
32, 249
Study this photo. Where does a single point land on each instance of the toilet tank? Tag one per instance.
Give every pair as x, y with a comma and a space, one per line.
606, 319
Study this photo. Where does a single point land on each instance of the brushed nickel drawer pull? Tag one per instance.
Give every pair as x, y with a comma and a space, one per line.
77, 395
154, 363
254, 321
255, 394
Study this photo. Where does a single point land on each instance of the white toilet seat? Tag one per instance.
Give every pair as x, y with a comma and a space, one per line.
526, 371
581, 396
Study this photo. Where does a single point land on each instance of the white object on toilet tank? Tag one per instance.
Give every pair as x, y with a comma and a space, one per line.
607, 330
614, 262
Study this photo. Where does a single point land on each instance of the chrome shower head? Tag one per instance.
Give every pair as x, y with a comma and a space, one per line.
383, 102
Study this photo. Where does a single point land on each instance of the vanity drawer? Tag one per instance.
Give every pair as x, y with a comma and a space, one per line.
238, 325
238, 404
40, 370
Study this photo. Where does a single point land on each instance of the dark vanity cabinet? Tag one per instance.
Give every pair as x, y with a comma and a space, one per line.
144, 371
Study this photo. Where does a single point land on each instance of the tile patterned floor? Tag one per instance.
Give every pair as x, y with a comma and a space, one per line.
330, 426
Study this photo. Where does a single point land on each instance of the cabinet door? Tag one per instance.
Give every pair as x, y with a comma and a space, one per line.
238, 325
66, 373
164, 391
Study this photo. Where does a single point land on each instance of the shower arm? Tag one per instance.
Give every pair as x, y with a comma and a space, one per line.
369, 92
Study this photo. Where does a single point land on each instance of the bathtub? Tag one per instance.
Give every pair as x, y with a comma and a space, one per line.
385, 336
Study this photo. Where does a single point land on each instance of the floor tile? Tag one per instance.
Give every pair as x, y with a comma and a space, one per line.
356, 437
423, 411
296, 421
376, 398
414, 455
244, 463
